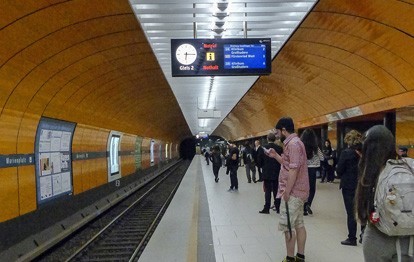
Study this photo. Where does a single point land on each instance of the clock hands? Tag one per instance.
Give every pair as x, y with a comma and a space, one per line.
187, 54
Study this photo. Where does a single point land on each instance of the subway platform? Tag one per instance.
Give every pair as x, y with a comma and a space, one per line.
204, 222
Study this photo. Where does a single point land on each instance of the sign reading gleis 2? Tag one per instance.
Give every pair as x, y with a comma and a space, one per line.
221, 57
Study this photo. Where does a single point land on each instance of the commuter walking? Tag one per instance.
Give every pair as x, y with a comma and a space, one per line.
314, 157
232, 166
293, 188
271, 169
215, 159
347, 170
379, 147
207, 156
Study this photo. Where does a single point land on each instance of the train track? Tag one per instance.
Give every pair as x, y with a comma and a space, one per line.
121, 233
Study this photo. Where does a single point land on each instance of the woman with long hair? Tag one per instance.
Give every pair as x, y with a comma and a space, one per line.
314, 156
378, 147
328, 162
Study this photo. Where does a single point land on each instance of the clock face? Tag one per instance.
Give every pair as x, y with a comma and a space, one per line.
186, 54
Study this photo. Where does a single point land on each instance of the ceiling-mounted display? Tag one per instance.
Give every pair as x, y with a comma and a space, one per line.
220, 57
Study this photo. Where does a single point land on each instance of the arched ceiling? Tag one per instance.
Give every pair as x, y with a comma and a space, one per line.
345, 54
87, 62
211, 19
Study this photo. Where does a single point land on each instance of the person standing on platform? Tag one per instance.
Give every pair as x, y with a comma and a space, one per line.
328, 163
248, 162
347, 170
232, 166
271, 169
403, 151
377, 148
258, 155
207, 155
215, 158
314, 157
293, 188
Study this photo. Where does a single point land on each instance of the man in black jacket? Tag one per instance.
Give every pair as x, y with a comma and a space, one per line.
249, 163
258, 155
271, 168
232, 163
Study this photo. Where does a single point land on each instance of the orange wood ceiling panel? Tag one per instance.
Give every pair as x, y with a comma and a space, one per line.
9, 128
9, 194
101, 172
87, 62
27, 189
345, 53
77, 177
27, 134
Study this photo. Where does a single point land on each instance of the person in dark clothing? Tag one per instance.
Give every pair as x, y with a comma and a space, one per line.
215, 159
403, 151
271, 169
314, 157
347, 170
207, 156
328, 163
232, 166
258, 156
249, 162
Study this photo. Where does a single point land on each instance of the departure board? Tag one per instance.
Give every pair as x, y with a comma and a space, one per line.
220, 57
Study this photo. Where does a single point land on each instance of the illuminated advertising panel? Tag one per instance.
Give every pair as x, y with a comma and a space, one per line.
114, 166
221, 57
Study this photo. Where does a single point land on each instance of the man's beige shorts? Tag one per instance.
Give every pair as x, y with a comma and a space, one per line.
295, 214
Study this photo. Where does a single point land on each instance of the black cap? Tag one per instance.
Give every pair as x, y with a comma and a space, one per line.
403, 148
287, 123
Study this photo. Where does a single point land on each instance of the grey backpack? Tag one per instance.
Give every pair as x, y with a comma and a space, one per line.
394, 198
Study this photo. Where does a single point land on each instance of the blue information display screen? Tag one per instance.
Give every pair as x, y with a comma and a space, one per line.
221, 57
245, 56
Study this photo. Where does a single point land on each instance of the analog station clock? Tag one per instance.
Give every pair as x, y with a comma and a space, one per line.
186, 54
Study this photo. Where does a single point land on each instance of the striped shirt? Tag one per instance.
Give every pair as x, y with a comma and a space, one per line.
316, 159
294, 157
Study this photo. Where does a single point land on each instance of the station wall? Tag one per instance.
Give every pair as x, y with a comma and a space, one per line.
18, 194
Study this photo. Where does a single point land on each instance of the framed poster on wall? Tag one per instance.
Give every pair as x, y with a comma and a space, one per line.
53, 158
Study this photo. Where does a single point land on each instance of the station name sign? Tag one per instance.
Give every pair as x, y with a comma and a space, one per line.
221, 57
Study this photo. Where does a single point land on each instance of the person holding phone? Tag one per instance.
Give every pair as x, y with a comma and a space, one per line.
293, 188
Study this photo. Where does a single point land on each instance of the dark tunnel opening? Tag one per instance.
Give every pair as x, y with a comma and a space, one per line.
188, 148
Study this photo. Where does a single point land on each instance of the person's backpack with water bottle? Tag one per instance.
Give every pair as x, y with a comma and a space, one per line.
394, 202
394, 198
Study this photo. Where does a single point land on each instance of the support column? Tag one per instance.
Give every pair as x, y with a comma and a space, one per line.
324, 133
390, 122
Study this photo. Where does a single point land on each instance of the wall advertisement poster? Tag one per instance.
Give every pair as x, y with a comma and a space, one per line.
53, 151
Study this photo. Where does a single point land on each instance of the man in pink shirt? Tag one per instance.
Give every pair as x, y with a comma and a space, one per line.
293, 187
